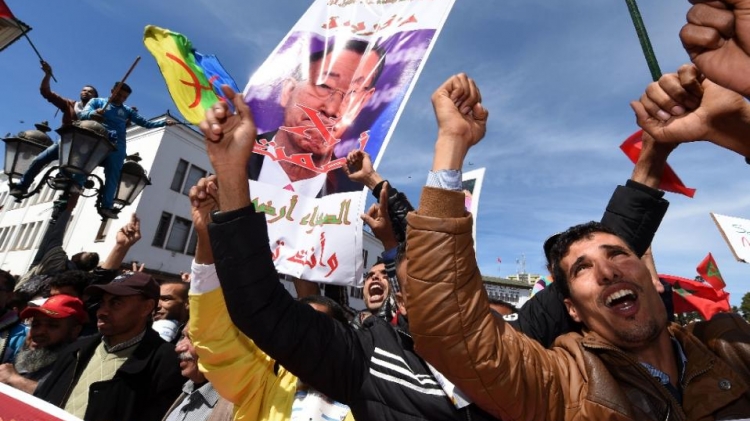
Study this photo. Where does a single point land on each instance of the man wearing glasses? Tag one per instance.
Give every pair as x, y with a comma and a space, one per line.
335, 86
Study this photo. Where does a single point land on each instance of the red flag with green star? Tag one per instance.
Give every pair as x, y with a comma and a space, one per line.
689, 295
709, 271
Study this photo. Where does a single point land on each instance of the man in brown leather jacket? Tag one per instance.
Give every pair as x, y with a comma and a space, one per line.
628, 363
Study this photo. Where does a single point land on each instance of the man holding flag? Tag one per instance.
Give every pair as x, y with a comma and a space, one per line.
116, 116
70, 109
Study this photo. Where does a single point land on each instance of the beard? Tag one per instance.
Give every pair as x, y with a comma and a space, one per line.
642, 333
33, 360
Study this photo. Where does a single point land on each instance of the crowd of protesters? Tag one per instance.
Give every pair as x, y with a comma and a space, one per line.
230, 342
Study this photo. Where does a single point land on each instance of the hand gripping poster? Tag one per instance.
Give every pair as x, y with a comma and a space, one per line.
336, 83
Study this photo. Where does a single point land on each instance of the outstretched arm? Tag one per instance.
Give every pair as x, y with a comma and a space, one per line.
310, 344
232, 362
126, 237
46, 91
359, 168
506, 374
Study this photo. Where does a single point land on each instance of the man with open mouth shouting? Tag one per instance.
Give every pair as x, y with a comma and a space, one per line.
628, 363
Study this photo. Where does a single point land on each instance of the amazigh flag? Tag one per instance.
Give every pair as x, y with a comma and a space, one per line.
709, 271
691, 295
669, 180
215, 73
10, 28
188, 82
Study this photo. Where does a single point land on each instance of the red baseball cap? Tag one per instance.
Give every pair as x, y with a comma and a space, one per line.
58, 307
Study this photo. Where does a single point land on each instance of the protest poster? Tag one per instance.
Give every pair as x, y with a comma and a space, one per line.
16, 405
336, 83
736, 232
471, 183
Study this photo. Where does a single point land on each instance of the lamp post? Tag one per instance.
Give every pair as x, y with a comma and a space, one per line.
83, 146
21, 149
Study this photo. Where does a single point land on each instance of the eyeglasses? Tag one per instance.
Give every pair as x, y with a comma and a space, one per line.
325, 92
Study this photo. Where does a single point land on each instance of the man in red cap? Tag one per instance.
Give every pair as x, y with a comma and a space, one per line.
54, 325
127, 372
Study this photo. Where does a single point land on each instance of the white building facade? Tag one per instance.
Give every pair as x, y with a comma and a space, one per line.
175, 158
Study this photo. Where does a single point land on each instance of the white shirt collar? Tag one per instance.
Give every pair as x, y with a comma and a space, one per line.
272, 173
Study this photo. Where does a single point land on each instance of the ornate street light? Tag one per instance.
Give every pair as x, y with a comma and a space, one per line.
133, 179
83, 145
21, 149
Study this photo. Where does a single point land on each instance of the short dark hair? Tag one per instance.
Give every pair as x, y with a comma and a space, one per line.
85, 260
336, 311
96, 93
172, 281
35, 286
9, 281
76, 279
561, 247
123, 87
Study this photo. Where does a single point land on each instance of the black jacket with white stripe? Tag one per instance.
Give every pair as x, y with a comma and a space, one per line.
374, 370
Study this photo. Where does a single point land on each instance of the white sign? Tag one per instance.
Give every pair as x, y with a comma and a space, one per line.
337, 82
736, 231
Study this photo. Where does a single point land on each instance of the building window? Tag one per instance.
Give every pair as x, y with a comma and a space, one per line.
161, 230
35, 227
192, 243
178, 235
179, 175
186, 176
193, 176
101, 235
21, 233
5, 235
365, 254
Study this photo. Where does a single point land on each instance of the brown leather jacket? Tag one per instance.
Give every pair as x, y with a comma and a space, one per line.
582, 377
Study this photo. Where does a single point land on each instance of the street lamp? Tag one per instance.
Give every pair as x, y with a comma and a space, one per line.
83, 146
21, 149
133, 179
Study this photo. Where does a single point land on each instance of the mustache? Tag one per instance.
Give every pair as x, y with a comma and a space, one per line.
185, 356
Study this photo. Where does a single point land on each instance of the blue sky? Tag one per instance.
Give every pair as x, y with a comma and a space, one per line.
557, 78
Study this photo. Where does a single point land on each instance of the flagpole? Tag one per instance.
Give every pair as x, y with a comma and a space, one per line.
124, 78
640, 30
31, 43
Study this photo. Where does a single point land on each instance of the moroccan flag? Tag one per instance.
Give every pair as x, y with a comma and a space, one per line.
669, 180
188, 83
709, 271
10, 28
689, 295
